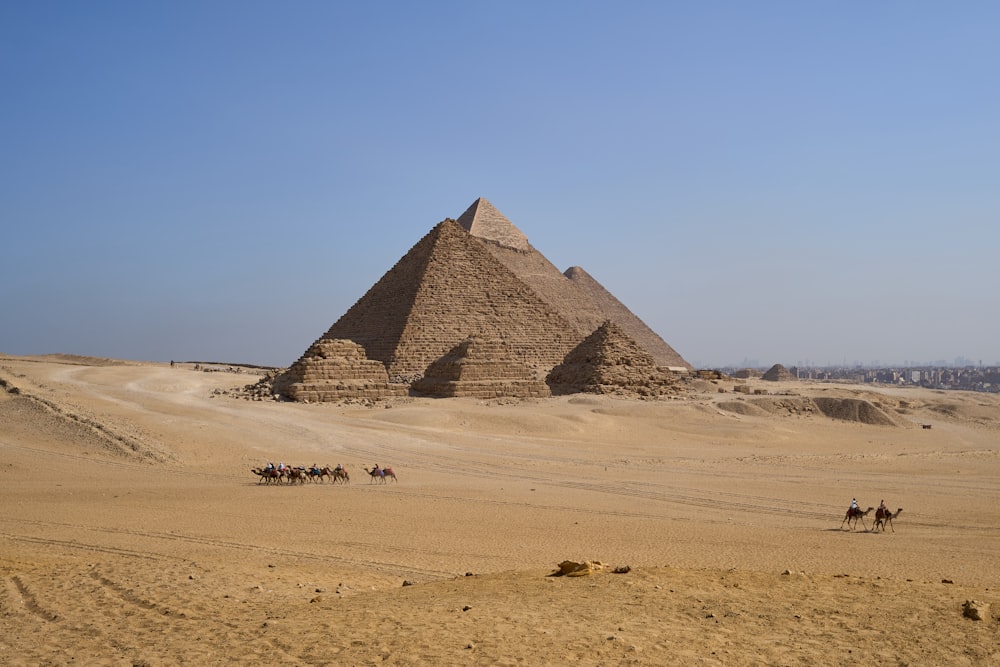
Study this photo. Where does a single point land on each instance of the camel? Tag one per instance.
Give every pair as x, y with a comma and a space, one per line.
853, 514
316, 474
379, 474
267, 475
883, 517
335, 474
296, 475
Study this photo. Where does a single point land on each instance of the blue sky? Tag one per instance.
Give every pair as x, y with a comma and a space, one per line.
772, 182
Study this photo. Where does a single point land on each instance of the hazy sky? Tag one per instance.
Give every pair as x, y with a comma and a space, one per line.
772, 182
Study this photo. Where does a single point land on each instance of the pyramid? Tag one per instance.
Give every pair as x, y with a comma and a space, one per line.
777, 373
334, 370
575, 295
609, 361
446, 288
479, 368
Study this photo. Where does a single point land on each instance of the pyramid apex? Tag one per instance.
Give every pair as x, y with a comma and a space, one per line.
483, 220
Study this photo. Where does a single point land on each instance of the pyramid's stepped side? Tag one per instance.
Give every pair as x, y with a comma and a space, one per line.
509, 245
542, 276
446, 288
617, 312
334, 370
480, 368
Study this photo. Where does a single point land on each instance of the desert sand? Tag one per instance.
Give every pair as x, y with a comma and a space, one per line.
134, 533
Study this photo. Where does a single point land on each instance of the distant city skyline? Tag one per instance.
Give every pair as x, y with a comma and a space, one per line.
958, 362
786, 183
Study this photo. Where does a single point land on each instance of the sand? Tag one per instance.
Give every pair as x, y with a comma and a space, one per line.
134, 533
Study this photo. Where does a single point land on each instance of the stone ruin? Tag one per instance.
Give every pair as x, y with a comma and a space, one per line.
609, 362
477, 275
480, 368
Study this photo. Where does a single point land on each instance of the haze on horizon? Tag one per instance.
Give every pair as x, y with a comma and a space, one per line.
783, 183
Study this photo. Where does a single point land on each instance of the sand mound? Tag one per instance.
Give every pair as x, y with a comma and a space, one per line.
80, 360
980, 414
20, 411
853, 409
786, 405
742, 408
835, 407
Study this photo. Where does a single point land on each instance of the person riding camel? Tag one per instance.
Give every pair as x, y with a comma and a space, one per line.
854, 505
882, 509
338, 468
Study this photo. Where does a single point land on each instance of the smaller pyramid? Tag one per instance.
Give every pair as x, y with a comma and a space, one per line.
777, 373
608, 361
335, 370
629, 321
480, 367
483, 220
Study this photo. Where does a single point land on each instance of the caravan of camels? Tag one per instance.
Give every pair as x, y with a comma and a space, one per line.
282, 474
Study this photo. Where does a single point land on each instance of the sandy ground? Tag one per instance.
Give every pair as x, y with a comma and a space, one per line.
132, 531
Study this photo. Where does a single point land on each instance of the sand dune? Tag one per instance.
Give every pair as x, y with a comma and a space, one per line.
135, 533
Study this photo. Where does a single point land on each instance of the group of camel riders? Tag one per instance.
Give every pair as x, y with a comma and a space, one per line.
883, 517
314, 470
882, 509
279, 471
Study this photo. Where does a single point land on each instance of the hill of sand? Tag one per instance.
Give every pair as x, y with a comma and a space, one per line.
134, 533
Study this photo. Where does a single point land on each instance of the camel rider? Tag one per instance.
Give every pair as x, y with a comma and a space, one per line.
338, 468
882, 509
314, 470
854, 505
269, 466
281, 467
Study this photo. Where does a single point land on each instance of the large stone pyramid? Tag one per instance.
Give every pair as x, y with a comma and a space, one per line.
445, 289
575, 295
